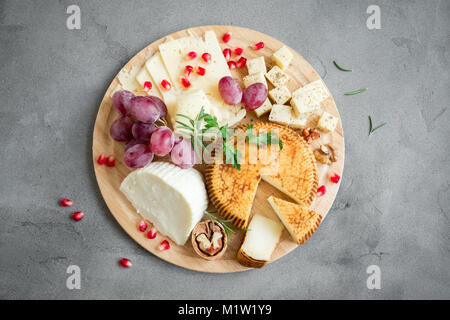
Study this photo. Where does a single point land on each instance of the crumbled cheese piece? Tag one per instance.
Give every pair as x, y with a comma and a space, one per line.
280, 95
327, 122
283, 114
256, 65
254, 78
277, 77
282, 57
266, 107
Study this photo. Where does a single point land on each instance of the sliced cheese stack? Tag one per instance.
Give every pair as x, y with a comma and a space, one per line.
299, 220
260, 241
171, 198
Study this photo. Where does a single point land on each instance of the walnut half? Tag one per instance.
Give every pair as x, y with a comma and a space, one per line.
325, 154
208, 242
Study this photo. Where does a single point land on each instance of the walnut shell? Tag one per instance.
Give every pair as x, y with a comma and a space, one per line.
205, 227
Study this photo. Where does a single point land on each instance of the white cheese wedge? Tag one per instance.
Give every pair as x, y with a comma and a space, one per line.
277, 77
174, 53
142, 77
254, 78
261, 238
157, 70
280, 95
284, 115
327, 122
282, 57
266, 107
256, 65
171, 198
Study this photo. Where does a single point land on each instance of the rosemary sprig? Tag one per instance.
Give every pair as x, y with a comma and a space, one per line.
372, 129
340, 68
229, 229
355, 92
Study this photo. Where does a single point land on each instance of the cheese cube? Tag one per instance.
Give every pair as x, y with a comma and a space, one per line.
282, 57
256, 65
254, 78
283, 114
327, 122
316, 90
266, 107
280, 95
304, 106
277, 77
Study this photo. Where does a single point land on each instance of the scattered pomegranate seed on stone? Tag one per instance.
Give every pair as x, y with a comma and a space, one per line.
227, 53
126, 263
259, 45
164, 245
242, 62
335, 178
226, 37
101, 159
231, 65
142, 226
111, 161
66, 202
77, 216
238, 51
206, 57
321, 191
152, 233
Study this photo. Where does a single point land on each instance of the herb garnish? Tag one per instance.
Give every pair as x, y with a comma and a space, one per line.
371, 129
229, 229
340, 68
211, 126
355, 92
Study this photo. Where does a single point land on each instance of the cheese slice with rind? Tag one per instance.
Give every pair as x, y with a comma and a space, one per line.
171, 198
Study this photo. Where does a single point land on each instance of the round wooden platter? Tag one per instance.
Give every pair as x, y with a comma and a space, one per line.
109, 179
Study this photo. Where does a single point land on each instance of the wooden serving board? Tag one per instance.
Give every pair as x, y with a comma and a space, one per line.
109, 179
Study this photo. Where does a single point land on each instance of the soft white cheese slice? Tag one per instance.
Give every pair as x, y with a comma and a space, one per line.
171, 198
174, 53
262, 237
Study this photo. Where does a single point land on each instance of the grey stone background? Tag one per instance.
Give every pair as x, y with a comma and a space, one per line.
393, 206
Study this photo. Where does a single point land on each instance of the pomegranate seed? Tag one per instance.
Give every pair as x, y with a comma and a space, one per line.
206, 57
111, 161
200, 71
126, 263
147, 86
335, 178
66, 202
166, 85
231, 65
238, 51
241, 62
142, 226
227, 54
259, 45
321, 191
185, 82
226, 37
165, 245
101, 159
188, 70
152, 233
191, 55
77, 216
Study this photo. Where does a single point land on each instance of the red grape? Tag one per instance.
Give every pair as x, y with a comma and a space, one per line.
143, 109
162, 141
121, 101
160, 104
230, 90
254, 96
183, 154
143, 131
121, 129
130, 143
138, 156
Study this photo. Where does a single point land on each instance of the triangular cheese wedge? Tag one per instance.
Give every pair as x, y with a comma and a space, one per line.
300, 221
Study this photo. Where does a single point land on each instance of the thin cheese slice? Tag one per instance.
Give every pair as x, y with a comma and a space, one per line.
174, 53
142, 77
127, 79
171, 198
